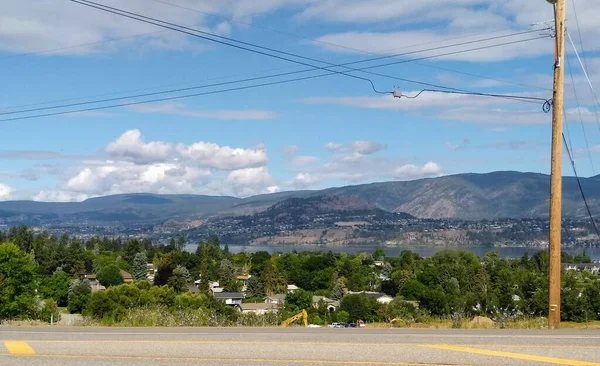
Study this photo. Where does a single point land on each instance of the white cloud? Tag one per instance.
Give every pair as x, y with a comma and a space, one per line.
34, 25
6, 192
180, 110
214, 156
303, 180
333, 146
411, 171
367, 147
131, 146
104, 178
59, 196
251, 181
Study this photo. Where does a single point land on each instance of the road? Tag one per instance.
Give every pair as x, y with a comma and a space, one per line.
71, 346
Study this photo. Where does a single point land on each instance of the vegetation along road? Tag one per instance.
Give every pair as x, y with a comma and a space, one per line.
293, 346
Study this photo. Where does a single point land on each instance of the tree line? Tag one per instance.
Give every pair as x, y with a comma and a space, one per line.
40, 273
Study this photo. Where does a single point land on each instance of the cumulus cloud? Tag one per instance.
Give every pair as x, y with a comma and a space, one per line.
410, 171
303, 180
132, 147
251, 181
6, 192
211, 155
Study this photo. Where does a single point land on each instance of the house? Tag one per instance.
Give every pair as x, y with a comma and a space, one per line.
127, 277
292, 288
580, 267
150, 271
230, 298
331, 305
276, 299
259, 309
379, 263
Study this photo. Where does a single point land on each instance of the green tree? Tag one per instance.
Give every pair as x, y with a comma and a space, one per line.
17, 282
56, 287
79, 294
181, 279
298, 300
360, 307
342, 316
227, 274
273, 280
254, 287
132, 247
139, 267
110, 276
339, 289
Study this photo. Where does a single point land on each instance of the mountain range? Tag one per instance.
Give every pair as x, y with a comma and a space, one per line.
470, 196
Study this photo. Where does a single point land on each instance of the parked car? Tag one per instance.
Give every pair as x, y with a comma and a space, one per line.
351, 325
314, 326
335, 325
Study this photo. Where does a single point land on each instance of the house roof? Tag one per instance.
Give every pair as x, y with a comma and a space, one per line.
278, 297
326, 300
242, 277
258, 306
193, 289
292, 287
126, 275
228, 295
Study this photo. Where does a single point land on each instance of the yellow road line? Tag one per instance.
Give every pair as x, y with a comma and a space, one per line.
19, 348
252, 360
518, 356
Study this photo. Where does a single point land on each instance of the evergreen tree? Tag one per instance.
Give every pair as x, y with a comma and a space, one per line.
339, 289
227, 274
140, 268
181, 279
254, 287
273, 280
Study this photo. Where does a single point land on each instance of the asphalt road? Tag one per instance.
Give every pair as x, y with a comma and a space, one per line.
70, 346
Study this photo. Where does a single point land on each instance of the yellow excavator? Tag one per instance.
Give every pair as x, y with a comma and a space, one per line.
292, 319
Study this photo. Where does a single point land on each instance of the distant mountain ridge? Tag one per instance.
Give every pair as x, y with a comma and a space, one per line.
462, 196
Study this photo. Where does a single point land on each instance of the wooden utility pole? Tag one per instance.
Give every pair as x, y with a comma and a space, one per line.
556, 168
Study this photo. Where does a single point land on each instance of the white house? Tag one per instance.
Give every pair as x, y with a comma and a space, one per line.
292, 288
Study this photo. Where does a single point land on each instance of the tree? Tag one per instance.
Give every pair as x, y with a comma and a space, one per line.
339, 289
227, 274
181, 279
360, 307
17, 282
140, 267
132, 247
273, 280
379, 254
254, 287
79, 295
56, 287
298, 300
110, 276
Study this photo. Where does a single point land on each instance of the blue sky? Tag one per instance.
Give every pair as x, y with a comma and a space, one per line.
308, 134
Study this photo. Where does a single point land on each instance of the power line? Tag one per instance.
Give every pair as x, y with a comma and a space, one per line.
291, 73
587, 145
587, 206
233, 89
169, 25
356, 49
228, 83
594, 96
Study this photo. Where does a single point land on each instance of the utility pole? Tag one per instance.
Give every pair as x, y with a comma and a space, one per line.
556, 168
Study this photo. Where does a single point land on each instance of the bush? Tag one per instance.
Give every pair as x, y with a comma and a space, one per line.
48, 309
79, 295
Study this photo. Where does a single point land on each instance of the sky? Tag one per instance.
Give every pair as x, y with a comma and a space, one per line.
241, 139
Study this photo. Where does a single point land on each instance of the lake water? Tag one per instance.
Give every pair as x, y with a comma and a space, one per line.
505, 252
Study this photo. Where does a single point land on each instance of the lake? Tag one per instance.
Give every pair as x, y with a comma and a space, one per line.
504, 252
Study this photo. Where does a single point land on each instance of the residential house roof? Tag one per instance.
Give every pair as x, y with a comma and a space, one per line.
258, 306
243, 277
278, 297
316, 299
193, 289
126, 275
292, 287
228, 295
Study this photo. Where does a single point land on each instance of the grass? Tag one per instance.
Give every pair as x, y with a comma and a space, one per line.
523, 323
